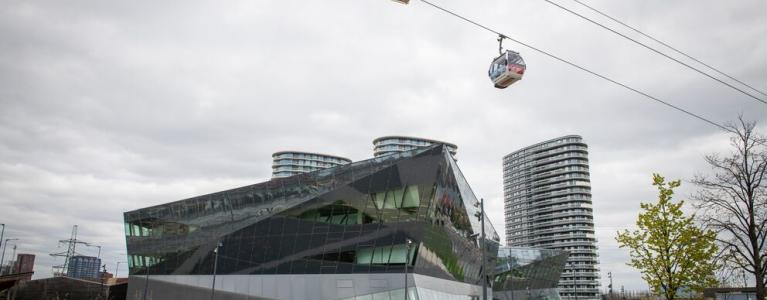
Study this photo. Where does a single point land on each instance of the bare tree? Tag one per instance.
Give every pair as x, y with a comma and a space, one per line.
733, 202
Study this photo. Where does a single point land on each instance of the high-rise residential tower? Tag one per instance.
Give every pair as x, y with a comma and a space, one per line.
547, 201
386, 145
289, 163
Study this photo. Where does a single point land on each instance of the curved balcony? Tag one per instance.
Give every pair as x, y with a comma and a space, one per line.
571, 183
587, 221
564, 244
587, 251
557, 237
561, 200
561, 215
563, 170
559, 150
559, 157
547, 167
559, 207
552, 194
560, 178
564, 229
541, 148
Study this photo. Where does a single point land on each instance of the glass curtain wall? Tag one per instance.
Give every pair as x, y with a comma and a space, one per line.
354, 218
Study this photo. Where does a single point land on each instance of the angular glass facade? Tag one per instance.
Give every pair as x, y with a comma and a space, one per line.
336, 233
526, 273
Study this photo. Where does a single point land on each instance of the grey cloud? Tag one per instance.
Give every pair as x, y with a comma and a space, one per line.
108, 107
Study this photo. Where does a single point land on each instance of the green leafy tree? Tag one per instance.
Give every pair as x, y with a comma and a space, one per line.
668, 248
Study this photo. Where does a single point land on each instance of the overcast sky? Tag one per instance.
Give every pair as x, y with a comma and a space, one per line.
110, 106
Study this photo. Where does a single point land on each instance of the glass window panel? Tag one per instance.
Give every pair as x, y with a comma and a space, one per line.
378, 199
364, 256
389, 202
411, 198
398, 197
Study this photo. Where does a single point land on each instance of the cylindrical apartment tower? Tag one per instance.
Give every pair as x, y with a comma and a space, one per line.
386, 145
547, 204
289, 163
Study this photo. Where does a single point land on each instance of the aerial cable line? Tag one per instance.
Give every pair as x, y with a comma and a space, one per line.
656, 51
668, 46
502, 36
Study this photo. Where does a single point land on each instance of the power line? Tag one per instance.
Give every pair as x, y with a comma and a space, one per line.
580, 67
657, 51
668, 46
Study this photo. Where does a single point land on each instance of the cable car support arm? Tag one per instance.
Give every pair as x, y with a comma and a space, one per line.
500, 43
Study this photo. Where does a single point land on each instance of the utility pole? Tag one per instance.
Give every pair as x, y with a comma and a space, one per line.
407, 261
215, 267
71, 246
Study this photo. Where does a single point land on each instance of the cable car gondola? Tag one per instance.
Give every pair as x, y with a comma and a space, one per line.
507, 68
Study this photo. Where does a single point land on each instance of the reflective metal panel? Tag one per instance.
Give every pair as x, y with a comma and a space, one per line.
526, 273
355, 218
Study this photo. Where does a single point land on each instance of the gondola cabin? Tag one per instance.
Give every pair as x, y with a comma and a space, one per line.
402, 1
506, 69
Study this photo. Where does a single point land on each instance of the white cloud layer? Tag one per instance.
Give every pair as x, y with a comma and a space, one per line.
112, 106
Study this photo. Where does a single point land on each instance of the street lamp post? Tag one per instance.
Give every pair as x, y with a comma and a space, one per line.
97, 246
2, 257
146, 283
10, 265
481, 241
117, 267
215, 267
407, 260
2, 235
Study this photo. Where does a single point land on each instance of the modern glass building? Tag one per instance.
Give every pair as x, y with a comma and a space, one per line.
289, 163
394, 144
525, 273
547, 201
84, 267
373, 229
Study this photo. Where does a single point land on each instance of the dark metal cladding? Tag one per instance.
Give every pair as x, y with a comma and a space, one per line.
354, 218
